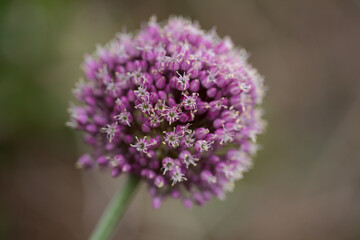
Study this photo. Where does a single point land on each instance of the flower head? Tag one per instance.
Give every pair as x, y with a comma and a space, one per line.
173, 104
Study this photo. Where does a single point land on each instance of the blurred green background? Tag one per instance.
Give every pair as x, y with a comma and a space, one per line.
305, 183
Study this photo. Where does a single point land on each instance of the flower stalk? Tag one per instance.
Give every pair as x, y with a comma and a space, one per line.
115, 210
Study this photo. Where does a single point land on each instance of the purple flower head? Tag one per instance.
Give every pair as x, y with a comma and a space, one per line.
174, 105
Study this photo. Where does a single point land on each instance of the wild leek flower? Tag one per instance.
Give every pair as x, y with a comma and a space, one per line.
174, 105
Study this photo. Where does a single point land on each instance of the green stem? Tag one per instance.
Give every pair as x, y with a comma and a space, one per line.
115, 210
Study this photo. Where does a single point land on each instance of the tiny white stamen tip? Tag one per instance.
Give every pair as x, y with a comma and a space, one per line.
78, 165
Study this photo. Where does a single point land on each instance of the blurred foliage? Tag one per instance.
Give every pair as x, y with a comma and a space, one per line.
28, 49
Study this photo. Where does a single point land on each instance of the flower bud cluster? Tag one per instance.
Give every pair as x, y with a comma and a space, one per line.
174, 105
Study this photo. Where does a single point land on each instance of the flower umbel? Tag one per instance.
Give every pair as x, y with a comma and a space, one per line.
174, 105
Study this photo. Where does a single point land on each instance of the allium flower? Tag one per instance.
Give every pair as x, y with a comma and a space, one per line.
174, 105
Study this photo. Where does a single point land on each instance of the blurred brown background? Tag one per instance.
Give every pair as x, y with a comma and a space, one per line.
305, 183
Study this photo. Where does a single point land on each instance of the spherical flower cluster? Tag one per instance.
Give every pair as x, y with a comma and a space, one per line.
174, 105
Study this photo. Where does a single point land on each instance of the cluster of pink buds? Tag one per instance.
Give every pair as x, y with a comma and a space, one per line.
174, 105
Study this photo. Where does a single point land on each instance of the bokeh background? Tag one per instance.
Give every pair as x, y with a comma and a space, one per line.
305, 183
